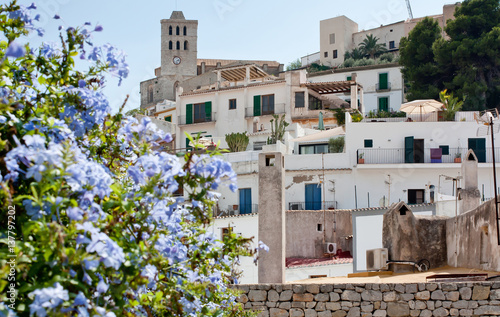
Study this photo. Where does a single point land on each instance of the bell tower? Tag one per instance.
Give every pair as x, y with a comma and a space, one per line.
178, 51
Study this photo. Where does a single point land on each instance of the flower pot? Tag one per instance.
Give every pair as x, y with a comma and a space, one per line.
458, 160
361, 161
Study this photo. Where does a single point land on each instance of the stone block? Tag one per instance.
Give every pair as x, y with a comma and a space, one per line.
380, 313
440, 312
243, 298
339, 313
273, 296
411, 304
421, 287
466, 312
310, 313
322, 297
438, 295
285, 305
303, 297
452, 296
325, 313
465, 293
295, 312
271, 304
398, 309
310, 305
431, 305
339, 286
277, 312
286, 296
264, 313
320, 306
447, 304
400, 288
257, 295
347, 304
384, 287
299, 305
327, 288
446, 287
366, 315
415, 313
495, 294
461, 304
248, 305
439, 303
411, 288
375, 287
406, 297
359, 289
278, 288
420, 305
349, 286
367, 308
487, 310
383, 305
390, 297
376, 305
299, 289
264, 287
351, 296
332, 306
425, 295
334, 297
312, 288
480, 292
425, 313
371, 295
454, 312
354, 312
473, 304
431, 287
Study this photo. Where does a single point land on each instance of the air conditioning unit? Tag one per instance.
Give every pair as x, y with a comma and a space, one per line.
331, 248
376, 259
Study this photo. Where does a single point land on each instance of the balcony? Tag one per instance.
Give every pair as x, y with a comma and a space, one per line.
383, 87
242, 209
209, 117
324, 205
278, 108
397, 156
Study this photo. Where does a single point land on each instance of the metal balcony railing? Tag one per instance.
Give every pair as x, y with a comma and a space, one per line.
397, 156
278, 108
241, 209
209, 117
384, 87
306, 205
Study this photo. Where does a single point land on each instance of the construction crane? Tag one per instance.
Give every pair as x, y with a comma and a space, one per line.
409, 9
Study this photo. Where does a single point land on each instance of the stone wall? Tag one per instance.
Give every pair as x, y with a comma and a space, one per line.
339, 300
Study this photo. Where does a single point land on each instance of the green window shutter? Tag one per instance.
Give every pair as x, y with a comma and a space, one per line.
445, 149
409, 153
383, 104
169, 119
256, 105
368, 143
208, 111
349, 78
383, 81
187, 144
189, 113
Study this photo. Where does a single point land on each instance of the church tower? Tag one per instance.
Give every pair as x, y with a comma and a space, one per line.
178, 51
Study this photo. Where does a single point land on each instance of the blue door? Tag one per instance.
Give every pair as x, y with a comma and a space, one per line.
245, 201
313, 197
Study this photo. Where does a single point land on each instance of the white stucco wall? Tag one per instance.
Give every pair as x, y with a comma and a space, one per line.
302, 273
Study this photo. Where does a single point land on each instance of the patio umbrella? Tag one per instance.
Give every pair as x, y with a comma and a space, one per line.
321, 125
421, 106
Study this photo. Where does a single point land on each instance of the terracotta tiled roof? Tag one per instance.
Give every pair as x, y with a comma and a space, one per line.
300, 262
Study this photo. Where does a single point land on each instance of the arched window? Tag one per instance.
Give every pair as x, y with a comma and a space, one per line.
185, 31
185, 45
170, 45
177, 31
170, 30
178, 45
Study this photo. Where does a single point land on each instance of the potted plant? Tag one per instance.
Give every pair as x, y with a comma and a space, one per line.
458, 157
361, 159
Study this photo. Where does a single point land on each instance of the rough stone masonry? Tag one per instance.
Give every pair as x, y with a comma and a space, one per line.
371, 299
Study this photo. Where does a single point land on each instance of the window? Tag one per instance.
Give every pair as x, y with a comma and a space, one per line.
170, 30
332, 38
257, 146
225, 232
168, 118
383, 104
177, 31
268, 104
349, 78
416, 196
326, 54
392, 45
383, 81
313, 197
299, 100
245, 200
445, 149
150, 93
199, 112
178, 45
185, 45
478, 145
313, 149
185, 31
232, 104
314, 103
368, 143
335, 54
170, 45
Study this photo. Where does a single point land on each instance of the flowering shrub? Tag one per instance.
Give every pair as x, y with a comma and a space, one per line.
94, 227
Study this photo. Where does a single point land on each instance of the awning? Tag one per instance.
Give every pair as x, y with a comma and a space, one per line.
321, 135
332, 87
238, 73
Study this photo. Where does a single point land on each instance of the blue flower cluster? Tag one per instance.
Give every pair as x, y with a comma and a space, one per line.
24, 14
113, 57
215, 170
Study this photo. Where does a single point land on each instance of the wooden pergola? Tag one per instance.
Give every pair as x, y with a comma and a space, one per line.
241, 72
333, 87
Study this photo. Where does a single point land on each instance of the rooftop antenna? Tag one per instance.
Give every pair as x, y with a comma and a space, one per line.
409, 9
486, 118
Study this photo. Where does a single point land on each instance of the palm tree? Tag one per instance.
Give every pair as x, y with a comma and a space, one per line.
371, 47
356, 53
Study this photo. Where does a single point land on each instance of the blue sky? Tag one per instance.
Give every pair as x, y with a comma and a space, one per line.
280, 30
